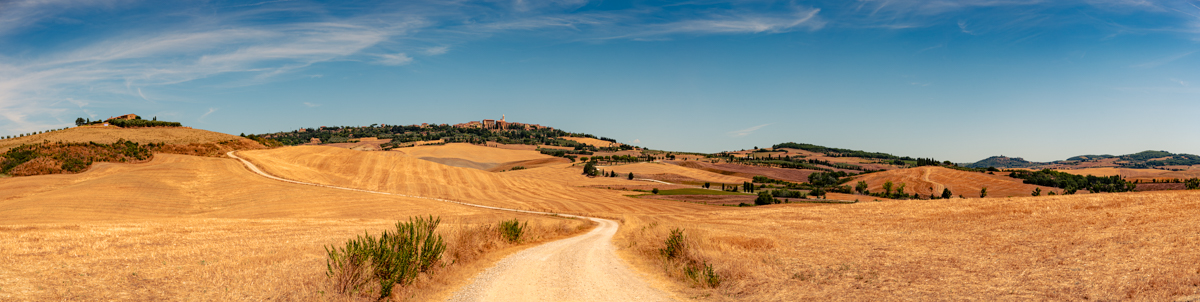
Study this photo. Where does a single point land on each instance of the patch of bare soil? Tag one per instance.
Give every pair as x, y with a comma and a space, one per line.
1160, 186
793, 175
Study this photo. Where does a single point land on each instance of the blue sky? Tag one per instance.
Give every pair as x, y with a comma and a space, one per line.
954, 80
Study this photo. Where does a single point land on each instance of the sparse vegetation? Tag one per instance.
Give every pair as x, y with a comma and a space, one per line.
369, 264
55, 158
512, 230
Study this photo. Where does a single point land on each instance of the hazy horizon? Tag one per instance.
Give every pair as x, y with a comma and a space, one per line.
958, 81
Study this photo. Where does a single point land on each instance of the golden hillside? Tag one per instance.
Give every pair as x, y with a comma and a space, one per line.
930, 180
108, 135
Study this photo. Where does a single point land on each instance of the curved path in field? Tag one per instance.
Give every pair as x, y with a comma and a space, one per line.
937, 187
580, 268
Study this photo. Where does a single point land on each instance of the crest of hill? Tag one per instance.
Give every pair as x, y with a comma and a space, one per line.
108, 135
1003, 162
591, 141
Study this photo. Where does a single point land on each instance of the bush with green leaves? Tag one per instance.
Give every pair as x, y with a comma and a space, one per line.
395, 257
675, 245
512, 230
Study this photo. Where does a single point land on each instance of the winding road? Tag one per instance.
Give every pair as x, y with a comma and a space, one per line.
580, 268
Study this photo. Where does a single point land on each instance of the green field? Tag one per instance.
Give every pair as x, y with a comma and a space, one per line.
697, 192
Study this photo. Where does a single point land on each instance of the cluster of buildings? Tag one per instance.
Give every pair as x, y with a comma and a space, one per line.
501, 124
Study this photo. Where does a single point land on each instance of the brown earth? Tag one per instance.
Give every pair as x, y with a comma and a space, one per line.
748, 172
672, 173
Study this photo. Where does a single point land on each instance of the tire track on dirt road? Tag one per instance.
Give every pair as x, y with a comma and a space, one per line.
579, 268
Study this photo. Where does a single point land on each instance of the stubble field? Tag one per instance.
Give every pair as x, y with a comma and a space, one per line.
164, 220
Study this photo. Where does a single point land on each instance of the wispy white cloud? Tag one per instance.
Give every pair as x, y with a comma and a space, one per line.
1163, 61
210, 111
394, 59
747, 131
433, 51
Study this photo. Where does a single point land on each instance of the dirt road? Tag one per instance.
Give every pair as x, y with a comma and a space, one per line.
580, 268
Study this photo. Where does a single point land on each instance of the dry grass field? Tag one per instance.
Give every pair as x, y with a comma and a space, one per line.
195, 228
591, 141
930, 180
1144, 175
1105, 247
108, 135
399, 173
192, 228
480, 157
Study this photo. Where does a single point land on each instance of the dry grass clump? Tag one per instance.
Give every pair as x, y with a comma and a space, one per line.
709, 266
435, 268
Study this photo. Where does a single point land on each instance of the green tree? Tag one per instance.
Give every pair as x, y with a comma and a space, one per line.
983, 192
861, 187
589, 169
79, 122
706, 185
630, 176
765, 198
655, 191
1037, 192
946, 193
900, 189
887, 188
818, 192
1192, 184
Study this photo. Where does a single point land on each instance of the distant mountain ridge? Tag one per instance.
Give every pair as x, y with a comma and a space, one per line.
1003, 162
1140, 160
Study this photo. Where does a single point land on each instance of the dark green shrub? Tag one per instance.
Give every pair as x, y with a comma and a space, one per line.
655, 191
765, 198
675, 245
392, 258
511, 230
703, 274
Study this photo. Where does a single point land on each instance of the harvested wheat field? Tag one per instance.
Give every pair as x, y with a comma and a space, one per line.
108, 135
481, 158
184, 227
196, 228
1126, 246
399, 173
1143, 175
930, 180
591, 141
